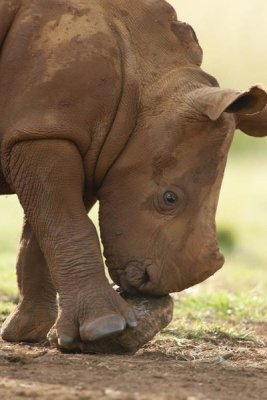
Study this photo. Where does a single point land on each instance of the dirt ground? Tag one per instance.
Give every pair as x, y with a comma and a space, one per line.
164, 370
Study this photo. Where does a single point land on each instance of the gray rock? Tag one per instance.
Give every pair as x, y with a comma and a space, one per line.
153, 314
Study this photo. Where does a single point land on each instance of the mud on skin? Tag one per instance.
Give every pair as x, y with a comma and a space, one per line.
109, 102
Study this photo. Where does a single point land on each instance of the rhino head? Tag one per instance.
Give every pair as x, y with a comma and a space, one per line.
158, 200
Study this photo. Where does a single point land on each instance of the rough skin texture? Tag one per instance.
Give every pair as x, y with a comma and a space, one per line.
107, 100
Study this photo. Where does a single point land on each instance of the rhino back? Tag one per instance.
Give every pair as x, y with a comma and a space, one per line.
75, 69
60, 70
64, 54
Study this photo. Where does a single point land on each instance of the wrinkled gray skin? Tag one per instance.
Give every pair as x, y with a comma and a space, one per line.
107, 100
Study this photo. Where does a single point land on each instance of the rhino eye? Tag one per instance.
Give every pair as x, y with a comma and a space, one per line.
170, 198
170, 201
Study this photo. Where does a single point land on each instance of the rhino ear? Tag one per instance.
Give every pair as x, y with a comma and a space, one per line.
213, 101
253, 125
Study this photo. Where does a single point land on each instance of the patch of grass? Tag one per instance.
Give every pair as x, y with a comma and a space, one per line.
208, 332
216, 318
248, 306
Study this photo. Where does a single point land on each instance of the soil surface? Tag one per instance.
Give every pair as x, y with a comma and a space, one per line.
164, 370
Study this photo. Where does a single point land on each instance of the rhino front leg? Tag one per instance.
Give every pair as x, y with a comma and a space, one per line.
48, 178
37, 310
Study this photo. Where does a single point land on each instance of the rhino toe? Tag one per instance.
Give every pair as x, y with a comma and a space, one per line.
101, 327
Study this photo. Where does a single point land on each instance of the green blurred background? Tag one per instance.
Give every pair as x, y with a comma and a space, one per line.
233, 36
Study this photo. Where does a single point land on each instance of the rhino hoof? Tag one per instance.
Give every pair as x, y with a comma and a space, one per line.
152, 313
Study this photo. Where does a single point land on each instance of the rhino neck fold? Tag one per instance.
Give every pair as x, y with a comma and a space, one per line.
125, 118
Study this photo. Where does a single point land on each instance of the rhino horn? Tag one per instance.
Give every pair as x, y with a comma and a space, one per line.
213, 101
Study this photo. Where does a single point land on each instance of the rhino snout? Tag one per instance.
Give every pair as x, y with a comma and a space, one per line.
147, 277
134, 275
142, 276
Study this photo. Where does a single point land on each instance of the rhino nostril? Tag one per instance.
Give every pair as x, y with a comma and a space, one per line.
136, 274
